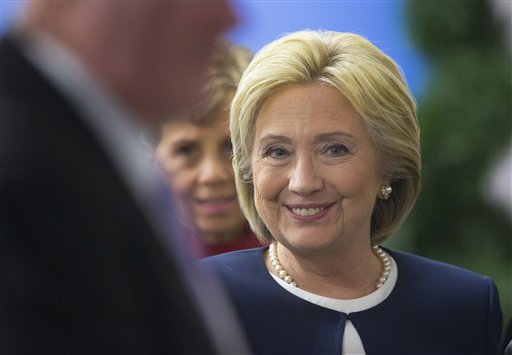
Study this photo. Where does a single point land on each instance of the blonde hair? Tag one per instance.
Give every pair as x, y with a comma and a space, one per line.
374, 85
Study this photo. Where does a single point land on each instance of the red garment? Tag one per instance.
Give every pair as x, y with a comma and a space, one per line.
245, 241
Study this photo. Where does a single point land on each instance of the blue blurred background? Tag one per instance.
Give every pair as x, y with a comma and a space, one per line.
456, 57
379, 21
263, 21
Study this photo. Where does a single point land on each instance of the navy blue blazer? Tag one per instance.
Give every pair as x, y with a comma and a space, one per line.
435, 308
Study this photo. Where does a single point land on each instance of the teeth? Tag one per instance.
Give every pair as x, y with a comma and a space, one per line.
307, 211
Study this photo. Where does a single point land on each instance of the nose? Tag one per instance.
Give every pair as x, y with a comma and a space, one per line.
304, 178
215, 170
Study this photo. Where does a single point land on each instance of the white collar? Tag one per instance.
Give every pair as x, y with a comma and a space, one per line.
346, 306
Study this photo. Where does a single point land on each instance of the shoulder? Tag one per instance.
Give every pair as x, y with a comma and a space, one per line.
238, 267
239, 259
418, 266
30, 112
434, 281
466, 302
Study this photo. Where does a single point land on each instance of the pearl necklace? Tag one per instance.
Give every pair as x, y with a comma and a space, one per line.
283, 274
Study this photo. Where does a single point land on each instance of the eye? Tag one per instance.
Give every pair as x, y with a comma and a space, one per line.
276, 153
337, 150
185, 150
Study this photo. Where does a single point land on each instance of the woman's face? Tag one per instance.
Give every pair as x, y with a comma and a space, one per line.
198, 163
315, 170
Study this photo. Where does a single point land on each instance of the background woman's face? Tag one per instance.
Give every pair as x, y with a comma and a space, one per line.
315, 170
197, 159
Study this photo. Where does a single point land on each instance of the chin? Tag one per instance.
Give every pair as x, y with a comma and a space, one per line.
309, 242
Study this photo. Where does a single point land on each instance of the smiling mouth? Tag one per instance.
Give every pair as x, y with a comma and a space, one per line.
215, 206
307, 212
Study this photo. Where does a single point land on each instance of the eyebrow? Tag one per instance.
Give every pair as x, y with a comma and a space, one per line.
183, 140
317, 139
274, 138
332, 135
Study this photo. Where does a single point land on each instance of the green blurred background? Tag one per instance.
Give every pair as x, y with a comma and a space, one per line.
465, 115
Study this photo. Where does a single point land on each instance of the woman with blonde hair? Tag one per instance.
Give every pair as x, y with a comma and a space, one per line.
327, 162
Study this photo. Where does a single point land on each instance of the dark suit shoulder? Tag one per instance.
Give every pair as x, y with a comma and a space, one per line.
84, 269
40, 131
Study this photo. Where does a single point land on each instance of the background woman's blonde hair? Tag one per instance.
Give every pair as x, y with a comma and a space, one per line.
374, 85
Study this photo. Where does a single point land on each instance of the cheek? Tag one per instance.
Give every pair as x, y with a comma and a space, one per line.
268, 185
182, 181
269, 212
227, 168
349, 184
358, 187
259, 202
266, 182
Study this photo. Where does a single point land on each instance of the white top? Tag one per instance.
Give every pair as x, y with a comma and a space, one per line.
352, 343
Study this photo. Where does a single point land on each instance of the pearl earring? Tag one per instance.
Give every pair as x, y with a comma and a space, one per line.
385, 191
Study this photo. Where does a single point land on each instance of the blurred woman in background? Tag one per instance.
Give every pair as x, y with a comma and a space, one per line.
195, 152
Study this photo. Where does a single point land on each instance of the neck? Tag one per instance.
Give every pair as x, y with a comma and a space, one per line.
351, 274
224, 237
